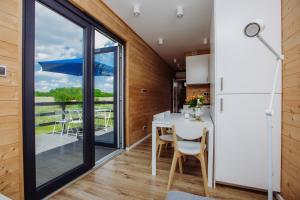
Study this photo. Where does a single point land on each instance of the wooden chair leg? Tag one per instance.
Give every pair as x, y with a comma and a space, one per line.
180, 165
204, 175
184, 158
206, 159
166, 147
173, 168
157, 145
160, 147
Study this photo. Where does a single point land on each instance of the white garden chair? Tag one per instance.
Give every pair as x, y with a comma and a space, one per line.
74, 121
61, 121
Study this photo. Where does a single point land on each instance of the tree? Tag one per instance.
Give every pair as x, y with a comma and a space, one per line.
70, 94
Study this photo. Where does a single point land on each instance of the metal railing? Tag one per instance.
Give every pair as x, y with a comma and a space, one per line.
62, 110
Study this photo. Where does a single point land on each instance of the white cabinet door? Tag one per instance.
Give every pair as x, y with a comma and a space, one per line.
245, 64
197, 69
241, 140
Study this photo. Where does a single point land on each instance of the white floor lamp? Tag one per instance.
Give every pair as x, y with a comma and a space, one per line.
252, 30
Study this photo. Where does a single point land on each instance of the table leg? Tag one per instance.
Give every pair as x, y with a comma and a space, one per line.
153, 150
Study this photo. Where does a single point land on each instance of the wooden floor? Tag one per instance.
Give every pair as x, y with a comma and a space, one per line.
128, 176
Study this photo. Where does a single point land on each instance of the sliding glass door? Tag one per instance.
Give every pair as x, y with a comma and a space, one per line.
70, 100
59, 94
105, 87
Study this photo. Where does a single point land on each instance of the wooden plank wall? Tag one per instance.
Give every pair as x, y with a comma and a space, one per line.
148, 77
291, 100
10, 100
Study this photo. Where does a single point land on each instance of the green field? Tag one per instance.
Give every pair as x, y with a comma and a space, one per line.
40, 110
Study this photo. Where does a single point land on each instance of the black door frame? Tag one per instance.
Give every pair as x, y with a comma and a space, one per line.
73, 14
114, 50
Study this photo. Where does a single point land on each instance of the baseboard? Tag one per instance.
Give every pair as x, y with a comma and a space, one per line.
138, 142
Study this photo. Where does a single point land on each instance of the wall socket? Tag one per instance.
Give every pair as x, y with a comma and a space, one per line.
3, 72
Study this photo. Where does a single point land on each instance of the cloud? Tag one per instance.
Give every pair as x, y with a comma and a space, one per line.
109, 79
44, 74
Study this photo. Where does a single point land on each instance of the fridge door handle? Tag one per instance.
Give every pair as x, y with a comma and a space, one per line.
222, 84
221, 105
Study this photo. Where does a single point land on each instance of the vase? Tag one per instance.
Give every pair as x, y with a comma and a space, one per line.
198, 112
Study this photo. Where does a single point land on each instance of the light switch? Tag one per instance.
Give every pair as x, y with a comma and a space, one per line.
2, 70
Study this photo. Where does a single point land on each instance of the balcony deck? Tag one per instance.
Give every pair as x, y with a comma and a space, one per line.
128, 176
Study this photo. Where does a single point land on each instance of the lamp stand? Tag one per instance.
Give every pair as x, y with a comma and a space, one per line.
269, 115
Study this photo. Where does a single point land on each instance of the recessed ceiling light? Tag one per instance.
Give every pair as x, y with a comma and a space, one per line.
205, 40
160, 41
179, 12
136, 10
175, 60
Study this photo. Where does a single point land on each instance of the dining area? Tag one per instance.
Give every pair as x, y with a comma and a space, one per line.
190, 134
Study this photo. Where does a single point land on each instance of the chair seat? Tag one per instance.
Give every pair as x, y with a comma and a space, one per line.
189, 147
167, 137
169, 131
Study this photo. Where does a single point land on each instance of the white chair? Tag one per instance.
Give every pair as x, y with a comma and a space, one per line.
189, 131
163, 135
74, 121
62, 122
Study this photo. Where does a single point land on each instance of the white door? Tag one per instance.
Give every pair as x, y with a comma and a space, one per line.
241, 140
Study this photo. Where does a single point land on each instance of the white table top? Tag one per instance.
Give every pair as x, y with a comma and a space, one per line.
170, 119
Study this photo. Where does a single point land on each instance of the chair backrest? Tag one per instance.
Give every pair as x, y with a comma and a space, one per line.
160, 115
74, 115
189, 130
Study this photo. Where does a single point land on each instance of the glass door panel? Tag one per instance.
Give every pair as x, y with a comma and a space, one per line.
105, 94
58, 87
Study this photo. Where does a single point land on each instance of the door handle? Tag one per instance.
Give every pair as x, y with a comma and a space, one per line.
221, 105
221, 81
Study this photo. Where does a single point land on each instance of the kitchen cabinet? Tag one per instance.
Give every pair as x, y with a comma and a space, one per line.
197, 69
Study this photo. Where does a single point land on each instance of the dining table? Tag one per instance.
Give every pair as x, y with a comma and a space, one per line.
168, 119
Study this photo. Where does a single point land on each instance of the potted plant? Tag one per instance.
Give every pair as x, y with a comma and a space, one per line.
196, 103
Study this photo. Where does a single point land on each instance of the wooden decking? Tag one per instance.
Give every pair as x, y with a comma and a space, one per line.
128, 176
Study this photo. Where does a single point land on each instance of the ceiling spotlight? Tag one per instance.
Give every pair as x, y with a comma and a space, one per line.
175, 60
136, 10
179, 12
160, 41
205, 40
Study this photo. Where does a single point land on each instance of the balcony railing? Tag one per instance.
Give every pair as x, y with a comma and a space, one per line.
47, 113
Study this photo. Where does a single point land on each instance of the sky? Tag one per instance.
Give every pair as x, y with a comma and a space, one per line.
58, 38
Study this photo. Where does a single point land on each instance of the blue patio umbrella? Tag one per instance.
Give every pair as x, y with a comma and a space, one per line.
75, 67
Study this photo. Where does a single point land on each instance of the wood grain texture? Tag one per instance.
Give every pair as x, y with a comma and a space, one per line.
128, 176
290, 176
148, 77
10, 93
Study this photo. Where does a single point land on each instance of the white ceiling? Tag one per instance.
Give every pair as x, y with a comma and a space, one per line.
158, 19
